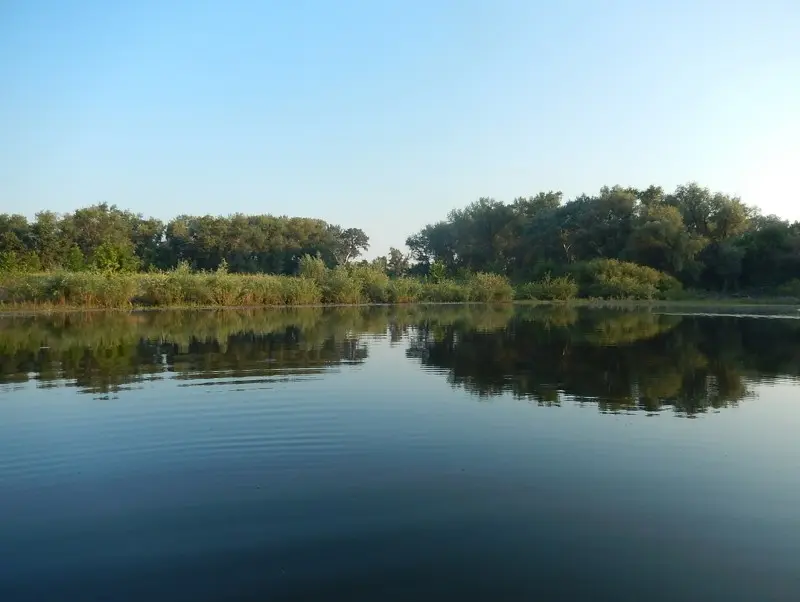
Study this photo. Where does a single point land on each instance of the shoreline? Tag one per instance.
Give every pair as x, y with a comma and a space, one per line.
782, 305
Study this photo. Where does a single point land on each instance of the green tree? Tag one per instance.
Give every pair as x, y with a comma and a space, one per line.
397, 264
348, 244
660, 239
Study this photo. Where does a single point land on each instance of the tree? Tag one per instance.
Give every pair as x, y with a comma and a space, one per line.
397, 264
660, 239
348, 244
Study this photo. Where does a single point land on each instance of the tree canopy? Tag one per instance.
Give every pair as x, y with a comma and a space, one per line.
705, 239
106, 237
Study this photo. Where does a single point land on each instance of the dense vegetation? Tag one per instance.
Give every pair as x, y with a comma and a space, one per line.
314, 284
106, 238
622, 243
704, 240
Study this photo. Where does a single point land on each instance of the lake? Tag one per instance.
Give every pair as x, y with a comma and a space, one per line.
411, 453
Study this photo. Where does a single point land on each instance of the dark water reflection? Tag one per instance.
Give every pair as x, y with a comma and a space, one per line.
349, 454
622, 360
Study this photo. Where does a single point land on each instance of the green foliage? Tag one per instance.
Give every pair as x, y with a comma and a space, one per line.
18, 288
301, 291
312, 267
90, 289
561, 288
614, 279
340, 287
109, 257
224, 289
74, 260
397, 264
489, 288
163, 290
19, 261
374, 284
404, 290
706, 240
437, 272
105, 238
445, 291
347, 243
263, 289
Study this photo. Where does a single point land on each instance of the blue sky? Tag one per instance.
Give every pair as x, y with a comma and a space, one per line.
385, 115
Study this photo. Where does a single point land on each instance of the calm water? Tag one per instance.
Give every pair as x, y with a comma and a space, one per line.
449, 453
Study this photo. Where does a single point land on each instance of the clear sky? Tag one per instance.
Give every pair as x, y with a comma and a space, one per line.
385, 115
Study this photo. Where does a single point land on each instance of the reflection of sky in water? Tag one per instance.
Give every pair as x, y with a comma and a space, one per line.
379, 478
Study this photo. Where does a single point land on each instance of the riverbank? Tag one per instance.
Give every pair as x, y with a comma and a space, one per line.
730, 306
182, 289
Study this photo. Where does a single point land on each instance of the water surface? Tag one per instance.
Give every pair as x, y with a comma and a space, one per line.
452, 452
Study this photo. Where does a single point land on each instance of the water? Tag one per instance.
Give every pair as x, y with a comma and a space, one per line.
458, 453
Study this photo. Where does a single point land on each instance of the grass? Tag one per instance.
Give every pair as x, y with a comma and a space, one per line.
318, 285
183, 288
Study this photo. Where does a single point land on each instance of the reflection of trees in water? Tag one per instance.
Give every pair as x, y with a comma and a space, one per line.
621, 361
108, 351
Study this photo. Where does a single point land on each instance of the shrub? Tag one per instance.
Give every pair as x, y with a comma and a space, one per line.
562, 288
161, 290
404, 290
300, 291
374, 283
94, 289
225, 289
12, 261
25, 288
489, 288
263, 289
313, 268
340, 287
445, 291
437, 272
614, 279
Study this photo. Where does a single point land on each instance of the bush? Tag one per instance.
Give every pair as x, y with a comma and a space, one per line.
404, 290
94, 289
263, 289
300, 291
25, 288
27, 261
614, 279
445, 291
225, 289
374, 283
489, 288
161, 290
313, 268
182, 287
562, 288
340, 287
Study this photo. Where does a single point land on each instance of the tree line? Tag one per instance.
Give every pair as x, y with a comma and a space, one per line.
107, 238
706, 240
702, 239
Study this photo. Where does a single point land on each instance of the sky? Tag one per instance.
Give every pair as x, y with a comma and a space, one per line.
385, 115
